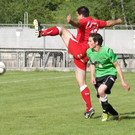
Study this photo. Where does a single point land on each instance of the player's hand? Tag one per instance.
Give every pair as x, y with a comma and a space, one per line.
69, 17
126, 86
93, 81
119, 21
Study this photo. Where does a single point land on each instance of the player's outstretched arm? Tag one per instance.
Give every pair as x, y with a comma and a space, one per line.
124, 84
113, 22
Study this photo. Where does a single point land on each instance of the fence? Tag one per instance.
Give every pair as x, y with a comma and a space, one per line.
21, 50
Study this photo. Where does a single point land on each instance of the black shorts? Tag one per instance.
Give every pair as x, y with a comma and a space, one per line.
108, 80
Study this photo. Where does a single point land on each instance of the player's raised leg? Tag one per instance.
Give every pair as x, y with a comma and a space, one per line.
53, 31
72, 44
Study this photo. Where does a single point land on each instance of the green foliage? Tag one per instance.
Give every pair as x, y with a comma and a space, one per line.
55, 11
69, 7
130, 5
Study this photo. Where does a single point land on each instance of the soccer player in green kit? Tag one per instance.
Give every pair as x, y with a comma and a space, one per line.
104, 68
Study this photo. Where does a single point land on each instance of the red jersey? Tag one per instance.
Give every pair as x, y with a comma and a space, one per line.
88, 25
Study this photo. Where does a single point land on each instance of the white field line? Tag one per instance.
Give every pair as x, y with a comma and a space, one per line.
35, 79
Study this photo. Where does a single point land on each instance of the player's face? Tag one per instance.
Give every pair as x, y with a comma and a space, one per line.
91, 43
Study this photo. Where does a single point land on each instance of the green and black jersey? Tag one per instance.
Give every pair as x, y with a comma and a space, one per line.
103, 61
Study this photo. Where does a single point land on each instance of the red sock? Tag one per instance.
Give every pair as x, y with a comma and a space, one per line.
50, 32
86, 97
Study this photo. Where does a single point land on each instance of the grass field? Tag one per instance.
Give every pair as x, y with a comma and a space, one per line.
49, 103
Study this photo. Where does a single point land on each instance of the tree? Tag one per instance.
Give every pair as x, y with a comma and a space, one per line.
55, 11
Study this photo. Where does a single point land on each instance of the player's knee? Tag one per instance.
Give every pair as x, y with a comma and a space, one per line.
60, 30
83, 87
101, 93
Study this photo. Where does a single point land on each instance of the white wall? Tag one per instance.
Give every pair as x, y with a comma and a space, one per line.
11, 37
121, 41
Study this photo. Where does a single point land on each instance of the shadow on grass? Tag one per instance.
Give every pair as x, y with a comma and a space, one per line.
128, 115
96, 117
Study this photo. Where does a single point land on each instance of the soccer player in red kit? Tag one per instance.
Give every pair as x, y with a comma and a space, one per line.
77, 46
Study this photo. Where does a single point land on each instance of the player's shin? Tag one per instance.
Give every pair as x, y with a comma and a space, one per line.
112, 110
104, 104
53, 31
86, 96
107, 108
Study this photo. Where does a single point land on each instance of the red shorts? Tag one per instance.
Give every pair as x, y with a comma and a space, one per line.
78, 50
80, 64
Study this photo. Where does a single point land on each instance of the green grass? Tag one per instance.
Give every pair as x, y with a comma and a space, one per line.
49, 103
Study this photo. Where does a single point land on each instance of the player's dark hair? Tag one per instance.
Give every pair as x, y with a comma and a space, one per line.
83, 10
96, 38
